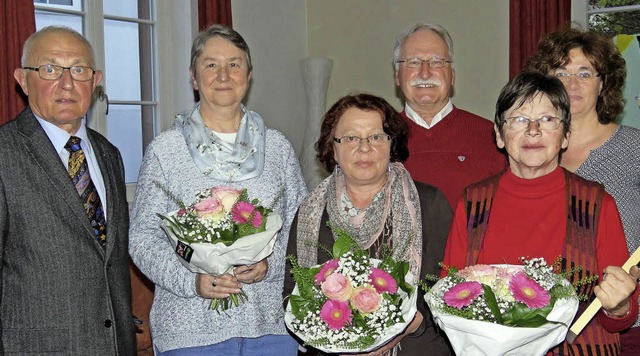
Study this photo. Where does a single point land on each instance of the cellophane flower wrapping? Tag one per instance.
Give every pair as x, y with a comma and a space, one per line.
475, 330
348, 304
218, 258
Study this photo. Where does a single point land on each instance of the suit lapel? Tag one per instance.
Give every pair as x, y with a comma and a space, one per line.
51, 173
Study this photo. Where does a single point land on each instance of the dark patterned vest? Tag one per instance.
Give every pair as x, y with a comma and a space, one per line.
583, 199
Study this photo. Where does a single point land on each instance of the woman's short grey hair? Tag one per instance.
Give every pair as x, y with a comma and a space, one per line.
26, 48
218, 31
439, 30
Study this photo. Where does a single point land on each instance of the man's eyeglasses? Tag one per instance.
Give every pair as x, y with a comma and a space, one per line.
374, 140
519, 123
415, 63
583, 76
54, 72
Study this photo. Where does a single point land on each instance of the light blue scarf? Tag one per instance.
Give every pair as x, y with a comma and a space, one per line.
223, 161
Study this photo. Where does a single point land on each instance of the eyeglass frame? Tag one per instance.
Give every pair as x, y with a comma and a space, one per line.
423, 61
37, 70
508, 122
339, 141
566, 76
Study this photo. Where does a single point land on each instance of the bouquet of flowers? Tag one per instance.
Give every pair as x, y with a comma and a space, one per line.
222, 229
504, 309
351, 303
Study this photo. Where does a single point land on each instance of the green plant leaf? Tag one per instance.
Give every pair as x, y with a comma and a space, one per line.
341, 246
298, 304
492, 303
521, 315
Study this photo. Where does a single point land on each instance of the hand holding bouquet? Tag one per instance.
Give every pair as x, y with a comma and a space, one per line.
351, 303
504, 309
222, 229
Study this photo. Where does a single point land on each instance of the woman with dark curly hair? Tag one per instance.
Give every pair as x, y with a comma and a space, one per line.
593, 73
363, 141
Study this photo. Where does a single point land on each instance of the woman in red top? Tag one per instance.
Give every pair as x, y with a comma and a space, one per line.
538, 209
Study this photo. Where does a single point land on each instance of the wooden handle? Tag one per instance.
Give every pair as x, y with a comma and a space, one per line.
595, 305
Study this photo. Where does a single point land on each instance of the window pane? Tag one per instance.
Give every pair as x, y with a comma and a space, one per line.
122, 60
45, 18
629, 46
60, 4
603, 4
613, 23
124, 126
128, 8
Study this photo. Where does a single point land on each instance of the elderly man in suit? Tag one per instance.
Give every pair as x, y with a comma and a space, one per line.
63, 212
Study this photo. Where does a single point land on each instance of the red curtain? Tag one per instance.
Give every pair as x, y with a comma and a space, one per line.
17, 22
529, 21
214, 11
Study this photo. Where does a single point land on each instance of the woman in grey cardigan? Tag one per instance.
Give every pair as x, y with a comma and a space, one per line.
218, 142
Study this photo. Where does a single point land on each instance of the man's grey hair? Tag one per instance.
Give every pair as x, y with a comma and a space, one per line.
26, 48
437, 29
218, 31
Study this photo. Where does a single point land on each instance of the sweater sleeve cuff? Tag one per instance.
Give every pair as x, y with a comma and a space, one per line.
613, 324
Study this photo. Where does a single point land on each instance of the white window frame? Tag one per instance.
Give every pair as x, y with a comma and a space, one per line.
176, 24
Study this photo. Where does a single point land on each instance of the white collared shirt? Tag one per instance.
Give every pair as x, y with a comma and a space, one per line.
437, 118
59, 138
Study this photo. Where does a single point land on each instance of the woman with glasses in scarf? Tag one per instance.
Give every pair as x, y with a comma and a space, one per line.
363, 142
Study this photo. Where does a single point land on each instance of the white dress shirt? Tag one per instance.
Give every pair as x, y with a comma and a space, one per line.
437, 118
59, 138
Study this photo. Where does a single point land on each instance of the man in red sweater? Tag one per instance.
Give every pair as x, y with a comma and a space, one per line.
448, 147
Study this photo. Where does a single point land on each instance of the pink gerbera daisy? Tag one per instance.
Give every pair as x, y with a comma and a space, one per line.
326, 269
336, 314
463, 294
383, 281
528, 291
257, 219
242, 212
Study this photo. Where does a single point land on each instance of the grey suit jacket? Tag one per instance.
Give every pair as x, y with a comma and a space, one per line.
61, 293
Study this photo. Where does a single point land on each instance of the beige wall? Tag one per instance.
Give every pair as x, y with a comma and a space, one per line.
276, 32
359, 36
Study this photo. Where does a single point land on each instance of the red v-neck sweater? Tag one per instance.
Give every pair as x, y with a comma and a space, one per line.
457, 151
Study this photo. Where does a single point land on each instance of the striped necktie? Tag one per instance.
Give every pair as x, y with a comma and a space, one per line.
79, 173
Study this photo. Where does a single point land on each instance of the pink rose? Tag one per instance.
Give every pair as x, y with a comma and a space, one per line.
365, 299
209, 208
337, 287
227, 196
484, 274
